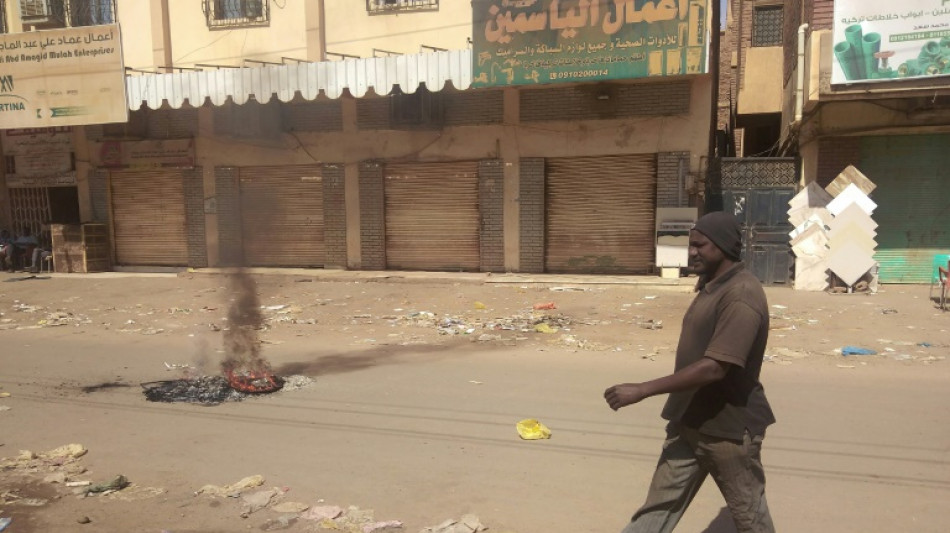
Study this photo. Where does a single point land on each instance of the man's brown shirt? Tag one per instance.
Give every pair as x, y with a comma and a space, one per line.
728, 321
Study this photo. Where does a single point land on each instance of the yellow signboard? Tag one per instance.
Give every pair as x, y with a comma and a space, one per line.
62, 77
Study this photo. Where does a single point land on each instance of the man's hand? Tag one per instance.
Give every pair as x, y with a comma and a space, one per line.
624, 394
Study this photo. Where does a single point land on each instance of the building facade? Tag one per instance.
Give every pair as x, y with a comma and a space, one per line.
893, 125
298, 134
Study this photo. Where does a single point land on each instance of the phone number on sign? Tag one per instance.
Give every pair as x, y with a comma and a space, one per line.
578, 74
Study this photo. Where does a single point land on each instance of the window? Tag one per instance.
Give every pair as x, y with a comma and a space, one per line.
767, 26
91, 12
231, 13
382, 7
44, 14
3, 17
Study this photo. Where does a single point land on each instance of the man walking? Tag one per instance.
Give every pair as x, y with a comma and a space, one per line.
717, 410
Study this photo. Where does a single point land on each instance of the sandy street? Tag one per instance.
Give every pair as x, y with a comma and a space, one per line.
418, 424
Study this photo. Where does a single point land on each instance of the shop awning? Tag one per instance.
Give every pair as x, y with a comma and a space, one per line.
332, 77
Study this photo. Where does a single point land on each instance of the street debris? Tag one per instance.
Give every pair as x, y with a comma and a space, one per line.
651, 324
532, 429
855, 350
467, 524
545, 306
118, 483
233, 490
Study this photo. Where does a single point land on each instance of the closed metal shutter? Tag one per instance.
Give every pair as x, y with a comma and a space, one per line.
600, 214
282, 216
912, 174
432, 216
148, 217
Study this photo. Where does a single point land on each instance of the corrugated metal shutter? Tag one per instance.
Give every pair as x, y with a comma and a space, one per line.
600, 214
148, 214
282, 216
432, 218
912, 174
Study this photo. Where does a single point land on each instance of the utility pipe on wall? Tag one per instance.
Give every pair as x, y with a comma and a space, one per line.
800, 80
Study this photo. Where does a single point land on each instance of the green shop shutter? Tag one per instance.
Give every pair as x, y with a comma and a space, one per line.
912, 174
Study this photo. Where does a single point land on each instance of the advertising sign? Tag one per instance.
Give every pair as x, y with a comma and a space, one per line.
39, 157
882, 40
177, 153
523, 42
62, 77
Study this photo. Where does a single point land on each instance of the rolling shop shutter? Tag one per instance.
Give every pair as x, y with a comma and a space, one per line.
600, 214
912, 174
432, 220
282, 216
148, 214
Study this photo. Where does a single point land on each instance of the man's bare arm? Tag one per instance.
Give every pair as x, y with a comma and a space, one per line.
698, 374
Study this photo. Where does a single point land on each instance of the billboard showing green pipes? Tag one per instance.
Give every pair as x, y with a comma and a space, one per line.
887, 40
527, 42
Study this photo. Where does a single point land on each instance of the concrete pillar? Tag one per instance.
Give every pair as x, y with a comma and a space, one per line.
508, 152
81, 153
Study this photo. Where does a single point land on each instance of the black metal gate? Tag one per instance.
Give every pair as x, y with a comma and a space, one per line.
757, 192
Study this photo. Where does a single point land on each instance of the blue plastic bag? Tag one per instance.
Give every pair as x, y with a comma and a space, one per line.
854, 350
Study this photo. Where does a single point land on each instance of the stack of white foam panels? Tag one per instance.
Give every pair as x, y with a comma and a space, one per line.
809, 215
851, 235
852, 232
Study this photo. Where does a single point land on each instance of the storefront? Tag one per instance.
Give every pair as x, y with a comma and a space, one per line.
912, 174
148, 217
432, 216
600, 214
282, 222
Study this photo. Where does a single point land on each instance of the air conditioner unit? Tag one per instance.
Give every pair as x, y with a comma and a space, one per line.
43, 14
33, 9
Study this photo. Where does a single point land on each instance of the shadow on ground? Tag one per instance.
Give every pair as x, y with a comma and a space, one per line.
378, 356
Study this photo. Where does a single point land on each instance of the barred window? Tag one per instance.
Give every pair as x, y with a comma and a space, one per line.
767, 26
237, 13
91, 12
382, 7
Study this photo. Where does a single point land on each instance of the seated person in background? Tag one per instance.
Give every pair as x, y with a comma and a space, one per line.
6, 249
41, 252
23, 246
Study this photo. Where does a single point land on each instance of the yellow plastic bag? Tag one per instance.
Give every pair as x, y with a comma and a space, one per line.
544, 328
531, 429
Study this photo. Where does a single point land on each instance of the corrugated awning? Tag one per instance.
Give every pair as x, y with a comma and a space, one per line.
332, 77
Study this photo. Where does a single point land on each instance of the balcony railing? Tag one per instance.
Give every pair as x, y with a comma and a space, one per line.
382, 7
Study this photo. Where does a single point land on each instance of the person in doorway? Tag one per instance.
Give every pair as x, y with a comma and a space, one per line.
23, 247
6, 249
43, 250
717, 409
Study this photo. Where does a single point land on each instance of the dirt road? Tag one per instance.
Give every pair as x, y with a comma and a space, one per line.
418, 387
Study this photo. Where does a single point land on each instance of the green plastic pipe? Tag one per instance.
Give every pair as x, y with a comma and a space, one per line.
870, 45
929, 51
852, 34
909, 69
846, 60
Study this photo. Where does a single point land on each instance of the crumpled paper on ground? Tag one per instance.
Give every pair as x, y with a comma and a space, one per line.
290, 507
257, 501
467, 524
326, 512
233, 490
32, 461
531, 429
382, 526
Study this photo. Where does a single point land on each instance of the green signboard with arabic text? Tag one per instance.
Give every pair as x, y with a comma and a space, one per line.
523, 42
